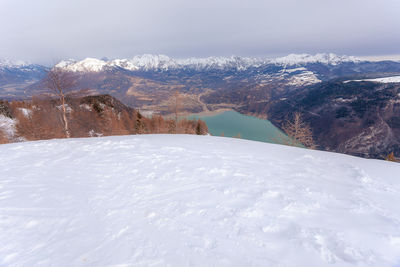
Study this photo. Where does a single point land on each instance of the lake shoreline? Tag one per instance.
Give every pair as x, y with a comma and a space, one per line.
231, 123
209, 113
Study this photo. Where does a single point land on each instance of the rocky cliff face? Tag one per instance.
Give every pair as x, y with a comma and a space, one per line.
358, 118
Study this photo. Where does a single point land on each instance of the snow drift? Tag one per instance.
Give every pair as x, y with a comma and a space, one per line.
183, 200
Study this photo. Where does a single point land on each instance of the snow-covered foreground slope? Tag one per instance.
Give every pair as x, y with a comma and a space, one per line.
177, 200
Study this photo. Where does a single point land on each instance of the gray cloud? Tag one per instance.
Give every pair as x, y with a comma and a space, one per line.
47, 30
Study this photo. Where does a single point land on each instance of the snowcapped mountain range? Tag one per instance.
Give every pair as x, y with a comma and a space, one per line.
161, 62
324, 58
213, 73
19, 65
5, 63
16, 74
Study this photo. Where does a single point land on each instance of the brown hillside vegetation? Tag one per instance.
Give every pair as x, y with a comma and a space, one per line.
6, 112
92, 116
3, 138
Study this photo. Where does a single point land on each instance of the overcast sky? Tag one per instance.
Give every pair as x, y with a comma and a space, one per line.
45, 31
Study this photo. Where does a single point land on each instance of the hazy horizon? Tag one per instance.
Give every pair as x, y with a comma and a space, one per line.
45, 31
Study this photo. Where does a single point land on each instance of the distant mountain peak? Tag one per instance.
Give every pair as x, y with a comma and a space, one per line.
86, 65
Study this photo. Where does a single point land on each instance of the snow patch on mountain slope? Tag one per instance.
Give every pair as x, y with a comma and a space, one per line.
290, 76
161, 62
180, 200
304, 78
291, 70
394, 79
298, 76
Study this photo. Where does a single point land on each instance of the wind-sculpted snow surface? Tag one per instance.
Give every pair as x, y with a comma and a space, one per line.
175, 200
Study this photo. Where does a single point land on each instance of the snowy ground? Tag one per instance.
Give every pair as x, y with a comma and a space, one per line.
174, 200
7, 126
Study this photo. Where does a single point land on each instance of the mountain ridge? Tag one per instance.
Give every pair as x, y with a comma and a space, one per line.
149, 62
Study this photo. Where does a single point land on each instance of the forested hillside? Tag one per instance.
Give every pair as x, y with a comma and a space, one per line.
88, 116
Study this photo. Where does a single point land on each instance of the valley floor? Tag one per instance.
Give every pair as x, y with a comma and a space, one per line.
181, 200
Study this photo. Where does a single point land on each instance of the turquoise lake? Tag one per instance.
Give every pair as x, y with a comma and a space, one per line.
231, 123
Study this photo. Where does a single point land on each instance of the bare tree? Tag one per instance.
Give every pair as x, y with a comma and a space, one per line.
60, 83
299, 132
201, 127
38, 121
174, 106
391, 157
